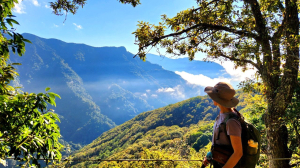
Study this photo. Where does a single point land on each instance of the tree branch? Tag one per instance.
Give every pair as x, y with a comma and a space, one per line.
266, 68
280, 30
260, 22
203, 26
201, 7
240, 60
237, 32
257, 56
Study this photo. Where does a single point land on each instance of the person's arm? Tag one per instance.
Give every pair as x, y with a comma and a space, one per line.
237, 146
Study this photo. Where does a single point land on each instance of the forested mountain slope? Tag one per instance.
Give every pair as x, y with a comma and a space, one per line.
149, 129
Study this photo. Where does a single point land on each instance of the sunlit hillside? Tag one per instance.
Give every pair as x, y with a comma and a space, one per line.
177, 131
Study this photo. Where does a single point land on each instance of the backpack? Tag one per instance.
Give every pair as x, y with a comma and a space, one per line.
249, 132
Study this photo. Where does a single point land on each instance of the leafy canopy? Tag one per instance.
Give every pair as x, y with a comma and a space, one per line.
28, 130
66, 6
222, 29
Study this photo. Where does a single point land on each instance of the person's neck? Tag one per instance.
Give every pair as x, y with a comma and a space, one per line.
224, 109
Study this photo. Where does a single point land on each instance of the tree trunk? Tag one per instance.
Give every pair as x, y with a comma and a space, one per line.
277, 136
280, 97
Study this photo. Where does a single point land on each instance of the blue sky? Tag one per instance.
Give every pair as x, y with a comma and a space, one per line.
109, 23
98, 23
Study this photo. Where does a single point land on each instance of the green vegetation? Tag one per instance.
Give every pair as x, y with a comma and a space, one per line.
263, 34
28, 130
255, 112
153, 129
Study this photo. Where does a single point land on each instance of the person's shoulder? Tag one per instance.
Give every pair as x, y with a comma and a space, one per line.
233, 122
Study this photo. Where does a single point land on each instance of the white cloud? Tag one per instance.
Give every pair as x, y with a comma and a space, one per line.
78, 27
35, 2
148, 90
165, 90
179, 92
201, 80
154, 95
19, 7
144, 95
237, 74
46, 6
176, 91
56, 25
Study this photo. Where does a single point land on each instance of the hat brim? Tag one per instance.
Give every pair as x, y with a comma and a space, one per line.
226, 103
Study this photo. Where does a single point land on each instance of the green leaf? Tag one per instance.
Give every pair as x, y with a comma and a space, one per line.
53, 95
28, 41
19, 51
3, 26
51, 101
47, 89
10, 21
55, 117
16, 64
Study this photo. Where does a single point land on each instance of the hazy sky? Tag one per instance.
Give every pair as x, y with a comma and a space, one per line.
108, 23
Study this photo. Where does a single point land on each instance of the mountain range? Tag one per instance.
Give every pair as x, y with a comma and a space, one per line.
100, 87
195, 67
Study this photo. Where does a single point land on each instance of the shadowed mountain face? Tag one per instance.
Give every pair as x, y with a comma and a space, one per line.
100, 87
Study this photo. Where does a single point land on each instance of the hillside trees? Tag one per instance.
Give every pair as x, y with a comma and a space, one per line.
28, 130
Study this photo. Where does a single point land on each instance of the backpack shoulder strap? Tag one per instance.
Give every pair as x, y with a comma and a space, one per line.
236, 116
241, 117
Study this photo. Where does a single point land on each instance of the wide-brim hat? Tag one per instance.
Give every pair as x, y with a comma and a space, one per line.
223, 93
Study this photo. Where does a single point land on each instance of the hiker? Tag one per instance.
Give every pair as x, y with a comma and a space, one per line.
222, 95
